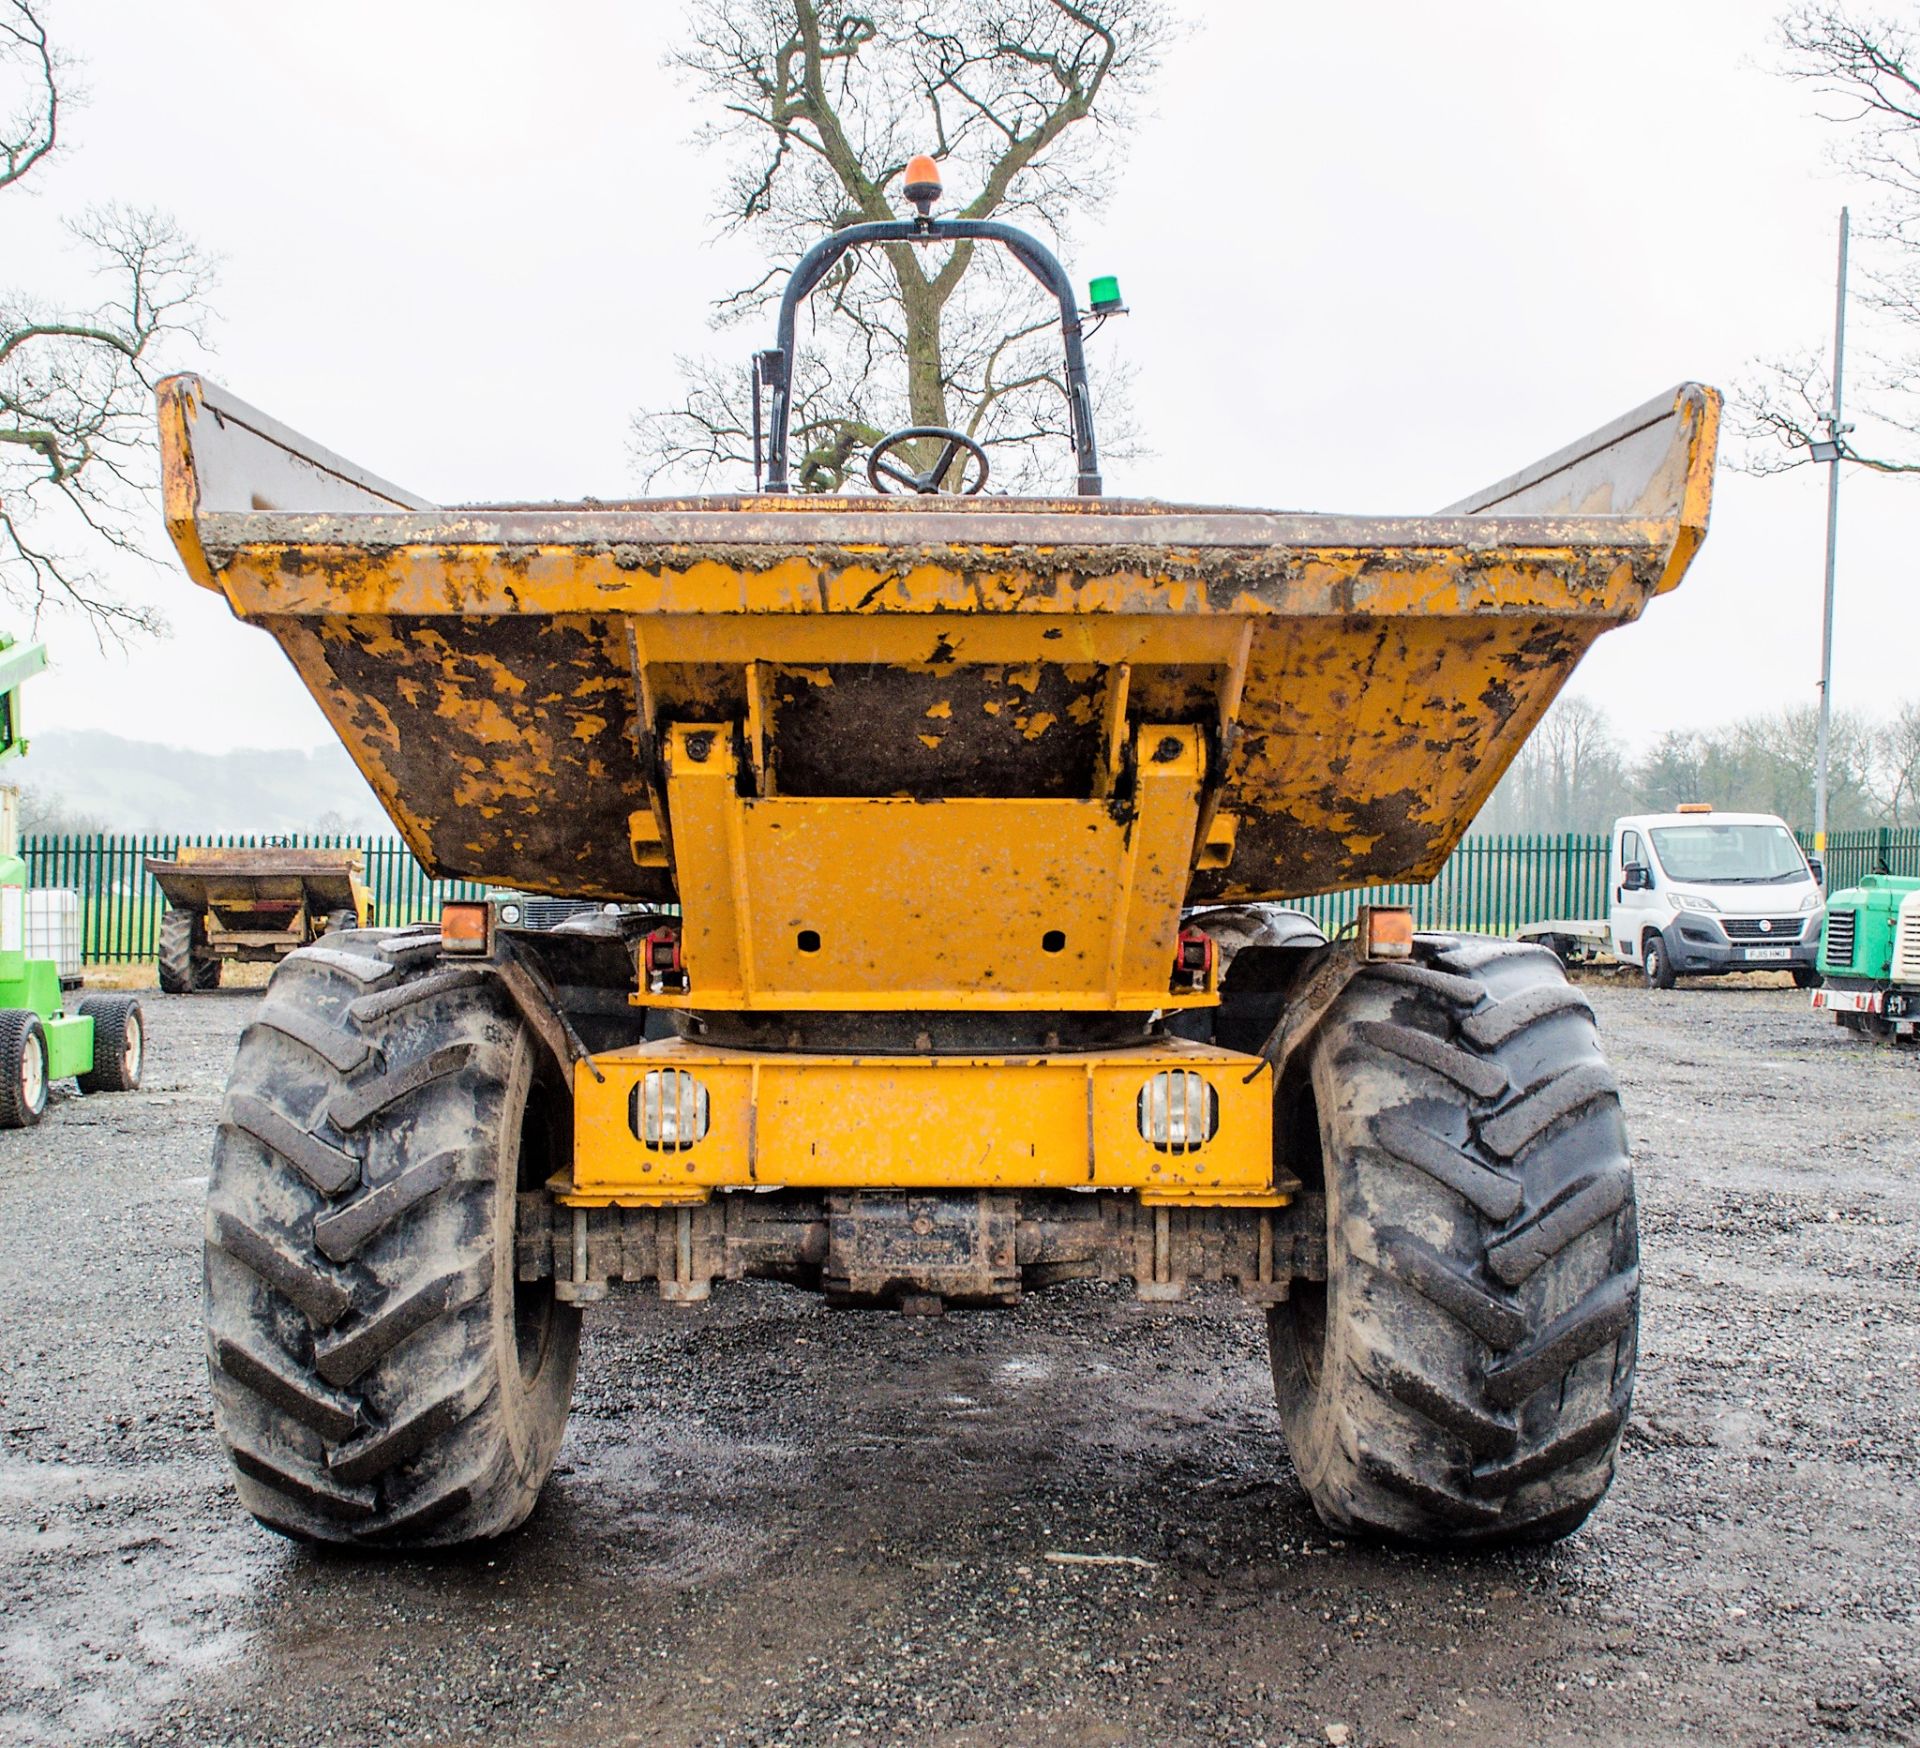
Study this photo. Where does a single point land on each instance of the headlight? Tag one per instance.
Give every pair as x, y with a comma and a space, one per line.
1811, 901
1690, 901
668, 1110
1178, 1111
509, 914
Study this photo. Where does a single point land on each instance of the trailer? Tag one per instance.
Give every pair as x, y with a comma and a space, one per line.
251, 906
1571, 940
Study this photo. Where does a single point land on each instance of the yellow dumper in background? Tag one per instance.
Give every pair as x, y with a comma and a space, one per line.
251, 906
945, 830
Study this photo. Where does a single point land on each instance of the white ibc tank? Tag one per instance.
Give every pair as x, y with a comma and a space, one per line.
53, 927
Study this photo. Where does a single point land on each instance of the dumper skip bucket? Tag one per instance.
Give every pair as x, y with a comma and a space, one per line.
510, 678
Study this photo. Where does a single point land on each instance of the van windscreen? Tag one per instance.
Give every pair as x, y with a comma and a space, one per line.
1732, 855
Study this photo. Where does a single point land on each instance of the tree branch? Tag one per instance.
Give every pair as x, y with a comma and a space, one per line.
32, 131
821, 105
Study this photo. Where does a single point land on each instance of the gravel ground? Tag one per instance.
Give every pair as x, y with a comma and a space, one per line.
773, 1523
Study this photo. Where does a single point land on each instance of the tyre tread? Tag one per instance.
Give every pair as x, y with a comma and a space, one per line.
1496, 1196
341, 1051
1602, 1316
353, 1107
1503, 1021
1522, 1123
1478, 1075
379, 1449
329, 1169
343, 1355
343, 1232
321, 1298
271, 1376
1521, 1250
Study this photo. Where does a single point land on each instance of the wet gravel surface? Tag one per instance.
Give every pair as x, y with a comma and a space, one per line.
773, 1523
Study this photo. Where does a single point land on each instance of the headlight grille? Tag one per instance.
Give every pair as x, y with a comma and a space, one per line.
668, 1110
1178, 1111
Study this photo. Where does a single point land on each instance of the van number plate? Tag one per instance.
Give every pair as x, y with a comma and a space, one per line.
1769, 952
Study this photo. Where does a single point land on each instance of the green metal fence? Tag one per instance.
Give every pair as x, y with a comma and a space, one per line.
1495, 885
1490, 885
1883, 851
122, 906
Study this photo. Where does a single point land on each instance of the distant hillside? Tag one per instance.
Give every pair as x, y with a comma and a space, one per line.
87, 780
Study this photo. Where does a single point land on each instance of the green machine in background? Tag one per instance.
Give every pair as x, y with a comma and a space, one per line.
1870, 958
102, 1041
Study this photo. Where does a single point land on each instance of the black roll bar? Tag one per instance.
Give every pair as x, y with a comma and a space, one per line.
774, 369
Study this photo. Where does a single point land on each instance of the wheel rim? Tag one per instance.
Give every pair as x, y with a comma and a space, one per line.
533, 1301
1307, 1303
133, 1049
33, 1073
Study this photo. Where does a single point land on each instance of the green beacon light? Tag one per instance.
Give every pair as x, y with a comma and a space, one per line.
1104, 295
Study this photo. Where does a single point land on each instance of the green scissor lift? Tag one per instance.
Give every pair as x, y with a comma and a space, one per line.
102, 1041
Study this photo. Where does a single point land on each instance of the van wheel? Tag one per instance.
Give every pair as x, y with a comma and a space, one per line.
1464, 1372
1656, 962
1806, 977
380, 1374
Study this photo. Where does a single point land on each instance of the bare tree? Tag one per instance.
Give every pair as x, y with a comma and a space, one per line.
1570, 776
76, 414
28, 58
1021, 101
1574, 775
1896, 765
1863, 72
1764, 764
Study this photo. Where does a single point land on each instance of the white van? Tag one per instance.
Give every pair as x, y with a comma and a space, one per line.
1697, 892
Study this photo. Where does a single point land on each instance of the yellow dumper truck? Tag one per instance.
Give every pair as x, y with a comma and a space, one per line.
945, 831
250, 905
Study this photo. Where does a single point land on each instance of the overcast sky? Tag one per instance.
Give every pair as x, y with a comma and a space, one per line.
1377, 255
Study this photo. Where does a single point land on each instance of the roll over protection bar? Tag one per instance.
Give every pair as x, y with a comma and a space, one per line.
773, 370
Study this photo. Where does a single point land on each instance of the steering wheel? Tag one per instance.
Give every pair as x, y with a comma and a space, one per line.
954, 443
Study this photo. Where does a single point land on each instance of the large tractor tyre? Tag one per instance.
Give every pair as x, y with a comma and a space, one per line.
1464, 1372
185, 963
23, 1069
119, 1043
379, 1374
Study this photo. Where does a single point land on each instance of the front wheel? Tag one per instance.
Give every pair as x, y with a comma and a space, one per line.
23, 1069
1657, 962
380, 1374
1806, 977
1463, 1374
